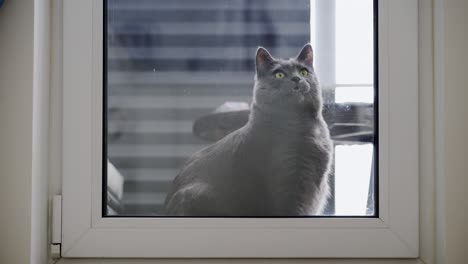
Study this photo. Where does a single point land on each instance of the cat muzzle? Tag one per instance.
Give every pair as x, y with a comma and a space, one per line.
301, 88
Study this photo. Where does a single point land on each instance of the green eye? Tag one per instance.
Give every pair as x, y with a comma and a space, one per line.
304, 72
279, 75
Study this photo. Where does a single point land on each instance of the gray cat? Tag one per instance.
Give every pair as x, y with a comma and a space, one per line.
275, 165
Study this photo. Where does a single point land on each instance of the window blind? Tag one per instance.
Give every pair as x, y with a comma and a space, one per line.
172, 62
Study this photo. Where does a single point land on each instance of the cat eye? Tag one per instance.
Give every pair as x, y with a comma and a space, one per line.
279, 75
304, 72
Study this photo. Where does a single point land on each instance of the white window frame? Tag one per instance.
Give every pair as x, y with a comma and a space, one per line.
394, 234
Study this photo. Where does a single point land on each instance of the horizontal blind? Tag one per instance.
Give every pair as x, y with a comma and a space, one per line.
172, 62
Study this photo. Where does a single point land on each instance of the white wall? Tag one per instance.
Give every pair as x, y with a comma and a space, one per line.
16, 96
24, 75
456, 130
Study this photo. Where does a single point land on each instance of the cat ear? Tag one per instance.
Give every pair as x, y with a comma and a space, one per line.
263, 59
306, 55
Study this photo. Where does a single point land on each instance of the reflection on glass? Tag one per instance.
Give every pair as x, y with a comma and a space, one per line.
354, 42
180, 77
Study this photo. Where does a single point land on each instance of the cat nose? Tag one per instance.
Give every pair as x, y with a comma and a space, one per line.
295, 79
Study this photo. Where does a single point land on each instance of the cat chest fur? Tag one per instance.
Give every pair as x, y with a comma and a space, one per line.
295, 164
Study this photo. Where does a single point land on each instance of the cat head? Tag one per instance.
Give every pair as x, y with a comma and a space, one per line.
287, 83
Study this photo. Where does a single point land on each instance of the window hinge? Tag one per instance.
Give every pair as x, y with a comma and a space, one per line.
56, 243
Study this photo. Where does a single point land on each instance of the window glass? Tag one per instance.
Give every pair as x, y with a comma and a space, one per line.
179, 78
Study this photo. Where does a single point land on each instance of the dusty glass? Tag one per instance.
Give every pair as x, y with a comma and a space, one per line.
179, 76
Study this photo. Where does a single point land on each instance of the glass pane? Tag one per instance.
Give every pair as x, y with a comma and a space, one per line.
354, 94
184, 136
354, 42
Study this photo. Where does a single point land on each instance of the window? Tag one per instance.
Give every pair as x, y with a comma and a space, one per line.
140, 83
180, 77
